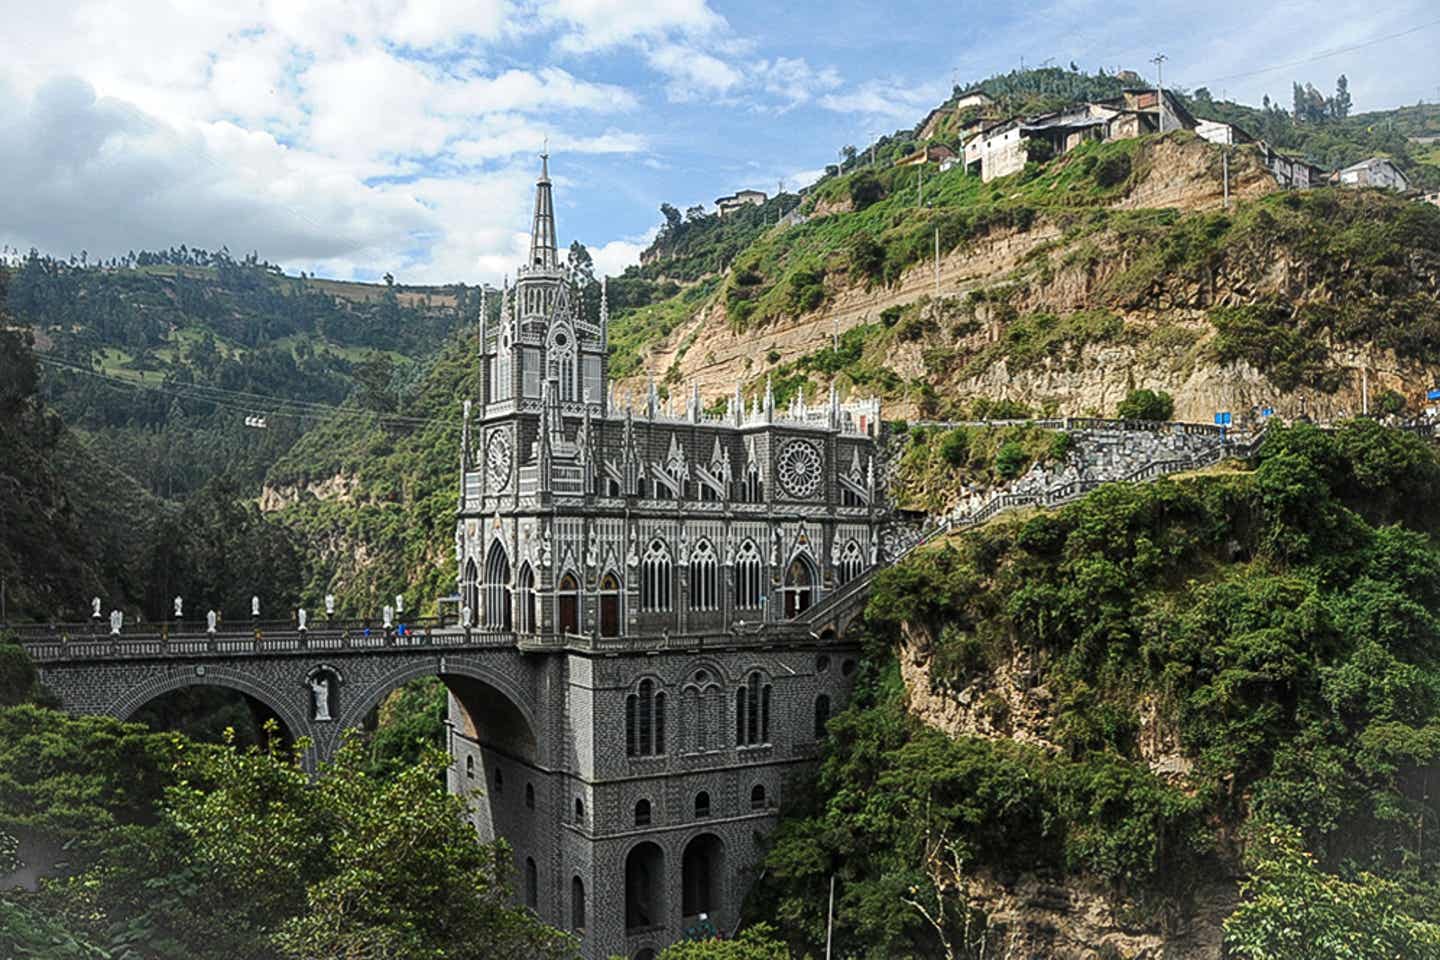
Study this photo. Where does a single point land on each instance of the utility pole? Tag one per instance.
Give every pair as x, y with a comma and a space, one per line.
1225, 168
1159, 61
1365, 391
937, 265
830, 917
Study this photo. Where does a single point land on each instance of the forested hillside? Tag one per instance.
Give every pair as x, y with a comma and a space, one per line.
1082, 731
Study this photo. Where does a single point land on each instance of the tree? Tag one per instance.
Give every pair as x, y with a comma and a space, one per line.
374, 377
673, 220
1293, 910
1146, 405
1340, 106
756, 943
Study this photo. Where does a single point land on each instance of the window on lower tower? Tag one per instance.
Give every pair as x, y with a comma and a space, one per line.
752, 489
645, 721
822, 715
752, 711
642, 813
702, 804
852, 562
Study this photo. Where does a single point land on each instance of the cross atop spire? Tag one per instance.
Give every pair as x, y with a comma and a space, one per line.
542, 231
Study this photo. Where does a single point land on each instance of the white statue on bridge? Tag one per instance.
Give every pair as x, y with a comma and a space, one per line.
210, 619
117, 620
95, 608
179, 609
301, 616
320, 693
329, 604
255, 607
399, 603
389, 613
467, 616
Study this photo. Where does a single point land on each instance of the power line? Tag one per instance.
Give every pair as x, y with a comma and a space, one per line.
1325, 54
247, 404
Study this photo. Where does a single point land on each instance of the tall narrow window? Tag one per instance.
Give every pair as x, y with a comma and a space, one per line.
704, 567
822, 715
642, 813
470, 590
610, 605
852, 562
645, 721
568, 603
752, 711
577, 905
525, 621
749, 586
497, 588
532, 884
752, 489
702, 804
655, 582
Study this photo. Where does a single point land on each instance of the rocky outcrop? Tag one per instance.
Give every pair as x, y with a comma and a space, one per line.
338, 487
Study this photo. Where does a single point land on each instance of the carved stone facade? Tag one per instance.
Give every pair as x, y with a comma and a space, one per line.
649, 548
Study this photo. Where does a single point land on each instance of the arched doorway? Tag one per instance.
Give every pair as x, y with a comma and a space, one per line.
568, 605
497, 588
610, 606
702, 875
644, 872
800, 578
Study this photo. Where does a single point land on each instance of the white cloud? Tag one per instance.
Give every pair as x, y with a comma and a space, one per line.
793, 80
693, 73
103, 175
592, 25
612, 258
889, 100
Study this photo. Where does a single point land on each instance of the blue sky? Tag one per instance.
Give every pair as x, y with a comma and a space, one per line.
356, 138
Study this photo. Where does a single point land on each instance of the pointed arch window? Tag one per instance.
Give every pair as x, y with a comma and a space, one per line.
645, 721
852, 562
656, 578
470, 589
610, 598
497, 588
525, 621
752, 488
567, 602
704, 577
822, 715
749, 577
799, 588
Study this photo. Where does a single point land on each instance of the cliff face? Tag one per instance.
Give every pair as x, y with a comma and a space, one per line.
1075, 918
1160, 261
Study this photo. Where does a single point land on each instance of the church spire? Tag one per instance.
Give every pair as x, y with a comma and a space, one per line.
542, 230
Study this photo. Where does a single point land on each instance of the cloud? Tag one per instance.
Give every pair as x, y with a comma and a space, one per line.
792, 80
592, 25
693, 74
889, 100
612, 258
105, 176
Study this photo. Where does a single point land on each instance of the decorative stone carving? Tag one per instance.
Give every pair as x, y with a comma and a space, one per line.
320, 698
179, 608
799, 468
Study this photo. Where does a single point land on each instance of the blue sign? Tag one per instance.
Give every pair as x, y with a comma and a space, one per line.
1432, 394
1222, 419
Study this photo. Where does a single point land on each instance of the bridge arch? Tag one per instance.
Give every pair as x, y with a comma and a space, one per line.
296, 722
513, 719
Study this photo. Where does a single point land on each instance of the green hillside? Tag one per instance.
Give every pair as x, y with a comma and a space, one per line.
1169, 685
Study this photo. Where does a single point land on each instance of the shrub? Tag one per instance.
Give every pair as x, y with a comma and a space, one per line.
1146, 405
1010, 460
1113, 170
867, 257
955, 447
865, 189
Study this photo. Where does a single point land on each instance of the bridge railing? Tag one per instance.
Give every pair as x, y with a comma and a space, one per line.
60, 645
